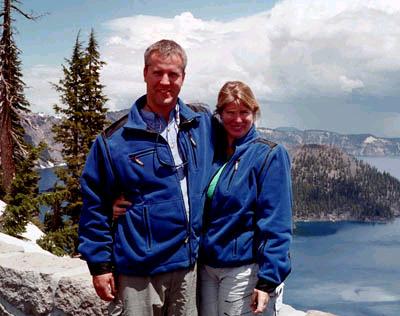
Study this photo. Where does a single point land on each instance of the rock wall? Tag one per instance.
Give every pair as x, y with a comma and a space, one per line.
34, 282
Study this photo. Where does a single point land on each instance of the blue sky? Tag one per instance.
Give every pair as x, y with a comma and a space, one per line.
59, 27
313, 64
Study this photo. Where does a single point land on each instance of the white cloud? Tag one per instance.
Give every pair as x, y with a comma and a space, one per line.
39, 91
349, 84
300, 52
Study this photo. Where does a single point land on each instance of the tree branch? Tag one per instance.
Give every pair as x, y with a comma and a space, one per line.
30, 16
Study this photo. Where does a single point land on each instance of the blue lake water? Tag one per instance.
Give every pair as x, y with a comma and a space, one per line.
346, 268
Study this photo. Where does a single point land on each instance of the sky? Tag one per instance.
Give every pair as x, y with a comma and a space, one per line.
312, 64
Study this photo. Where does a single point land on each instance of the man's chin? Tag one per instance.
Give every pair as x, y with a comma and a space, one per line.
167, 102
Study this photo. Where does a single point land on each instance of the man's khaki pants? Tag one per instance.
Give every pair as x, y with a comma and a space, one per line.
166, 294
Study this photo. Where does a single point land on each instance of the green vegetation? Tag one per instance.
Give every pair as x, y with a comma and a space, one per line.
13, 149
19, 180
22, 199
329, 184
84, 117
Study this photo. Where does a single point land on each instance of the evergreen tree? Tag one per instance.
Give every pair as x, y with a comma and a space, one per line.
84, 117
12, 99
22, 203
95, 112
71, 131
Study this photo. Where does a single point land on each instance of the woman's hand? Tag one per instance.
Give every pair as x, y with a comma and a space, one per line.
259, 301
119, 206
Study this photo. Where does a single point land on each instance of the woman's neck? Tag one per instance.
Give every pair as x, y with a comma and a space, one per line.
229, 146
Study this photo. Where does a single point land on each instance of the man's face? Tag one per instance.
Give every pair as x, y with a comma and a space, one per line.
164, 78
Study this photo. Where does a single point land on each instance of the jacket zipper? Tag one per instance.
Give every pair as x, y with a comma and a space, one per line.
235, 168
193, 146
187, 214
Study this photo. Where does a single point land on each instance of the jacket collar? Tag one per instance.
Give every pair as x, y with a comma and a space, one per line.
251, 135
135, 120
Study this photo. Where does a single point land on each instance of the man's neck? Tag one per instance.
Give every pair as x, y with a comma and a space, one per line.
164, 113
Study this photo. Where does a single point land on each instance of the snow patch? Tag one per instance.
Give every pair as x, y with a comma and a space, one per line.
2, 207
27, 245
370, 139
32, 234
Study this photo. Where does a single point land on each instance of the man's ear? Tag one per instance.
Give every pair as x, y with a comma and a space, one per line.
183, 75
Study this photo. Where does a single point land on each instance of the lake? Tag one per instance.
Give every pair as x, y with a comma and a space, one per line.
346, 268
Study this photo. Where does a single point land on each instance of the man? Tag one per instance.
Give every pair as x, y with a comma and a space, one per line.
155, 156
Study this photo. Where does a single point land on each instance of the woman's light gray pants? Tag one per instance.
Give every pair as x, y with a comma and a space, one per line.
227, 291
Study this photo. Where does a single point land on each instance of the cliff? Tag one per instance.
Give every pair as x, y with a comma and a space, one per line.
34, 282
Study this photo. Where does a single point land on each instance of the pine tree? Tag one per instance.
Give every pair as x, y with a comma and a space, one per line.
84, 117
22, 203
12, 99
95, 112
71, 130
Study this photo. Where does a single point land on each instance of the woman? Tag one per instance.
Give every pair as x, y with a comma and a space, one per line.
244, 255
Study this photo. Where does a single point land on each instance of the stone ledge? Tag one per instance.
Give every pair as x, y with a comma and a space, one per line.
41, 284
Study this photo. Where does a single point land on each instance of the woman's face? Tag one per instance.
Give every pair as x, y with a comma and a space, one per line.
237, 120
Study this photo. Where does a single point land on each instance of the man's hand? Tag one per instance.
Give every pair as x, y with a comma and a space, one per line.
105, 286
119, 206
259, 301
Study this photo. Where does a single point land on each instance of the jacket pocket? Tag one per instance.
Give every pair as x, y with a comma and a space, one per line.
146, 221
139, 156
235, 248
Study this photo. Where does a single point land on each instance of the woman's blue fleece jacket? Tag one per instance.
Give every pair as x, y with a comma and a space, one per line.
155, 235
249, 217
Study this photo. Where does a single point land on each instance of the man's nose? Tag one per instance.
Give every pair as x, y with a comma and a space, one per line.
238, 118
165, 79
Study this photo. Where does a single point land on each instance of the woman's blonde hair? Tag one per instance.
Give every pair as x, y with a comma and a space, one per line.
238, 92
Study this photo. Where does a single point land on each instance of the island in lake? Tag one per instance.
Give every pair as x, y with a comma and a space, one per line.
329, 184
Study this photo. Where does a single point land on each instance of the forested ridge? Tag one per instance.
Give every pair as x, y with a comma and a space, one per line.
329, 184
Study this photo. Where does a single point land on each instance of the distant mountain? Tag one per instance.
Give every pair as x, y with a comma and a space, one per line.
287, 129
356, 144
38, 128
332, 185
